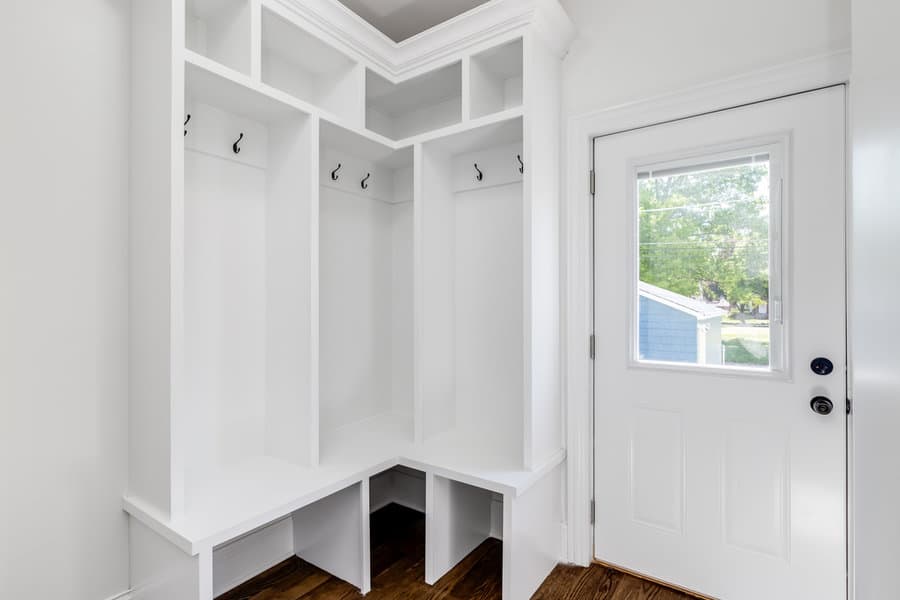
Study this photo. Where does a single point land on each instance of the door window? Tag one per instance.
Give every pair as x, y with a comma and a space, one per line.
709, 261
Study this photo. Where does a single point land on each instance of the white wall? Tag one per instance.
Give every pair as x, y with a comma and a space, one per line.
636, 49
874, 287
63, 298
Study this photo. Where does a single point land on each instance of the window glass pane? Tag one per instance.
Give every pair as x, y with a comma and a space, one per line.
703, 292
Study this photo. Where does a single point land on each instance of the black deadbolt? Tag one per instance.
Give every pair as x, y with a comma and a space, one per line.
821, 366
821, 405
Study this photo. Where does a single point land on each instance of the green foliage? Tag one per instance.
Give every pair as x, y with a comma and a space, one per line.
706, 234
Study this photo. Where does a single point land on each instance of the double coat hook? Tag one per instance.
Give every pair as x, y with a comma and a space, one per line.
363, 184
186, 122
521, 164
235, 146
334, 174
479, 175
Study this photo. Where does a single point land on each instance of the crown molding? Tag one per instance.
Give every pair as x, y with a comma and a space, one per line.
336, 24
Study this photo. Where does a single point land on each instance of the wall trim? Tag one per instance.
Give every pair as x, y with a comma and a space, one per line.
126, 595
787, 78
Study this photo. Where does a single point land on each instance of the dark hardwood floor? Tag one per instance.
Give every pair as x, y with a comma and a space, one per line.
398, 573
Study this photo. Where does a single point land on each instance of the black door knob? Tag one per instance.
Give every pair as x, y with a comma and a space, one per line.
821, 405
821, 366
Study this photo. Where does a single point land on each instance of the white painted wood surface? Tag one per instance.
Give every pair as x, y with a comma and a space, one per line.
752, 86
874, 219
323, 330
244, 558
740, 477
458, 521
400, 485
531, 535
330, 533
495, 79
161, 571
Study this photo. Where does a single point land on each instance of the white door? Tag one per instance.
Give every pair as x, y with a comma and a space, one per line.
719, 280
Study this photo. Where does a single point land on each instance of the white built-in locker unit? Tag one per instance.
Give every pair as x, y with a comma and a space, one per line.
344, 293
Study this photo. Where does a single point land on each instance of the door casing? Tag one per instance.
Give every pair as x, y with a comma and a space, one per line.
778, 81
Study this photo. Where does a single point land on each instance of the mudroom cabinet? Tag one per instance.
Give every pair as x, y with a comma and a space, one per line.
345, 275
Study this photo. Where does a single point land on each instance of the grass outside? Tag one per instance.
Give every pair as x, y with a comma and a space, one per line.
745, 345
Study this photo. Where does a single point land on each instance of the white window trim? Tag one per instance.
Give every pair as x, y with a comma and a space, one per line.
777, 146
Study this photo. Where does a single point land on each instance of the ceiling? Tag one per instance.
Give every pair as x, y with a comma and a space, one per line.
402, 19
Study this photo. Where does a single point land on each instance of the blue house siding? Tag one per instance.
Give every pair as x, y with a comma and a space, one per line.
666, 334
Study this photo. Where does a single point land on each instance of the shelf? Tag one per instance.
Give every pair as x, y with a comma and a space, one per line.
233, 501
495, 79
494, 130
221, 31
209, 82
424, 103
364, 145
307, 68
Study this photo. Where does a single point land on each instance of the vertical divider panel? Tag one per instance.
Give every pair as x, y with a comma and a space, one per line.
366, 524
157, 102
542, 392
256, 40
532, 535
291, 429
466, 88
178, 438
430, 530
330, 534
314, 228
418, 297
161, 571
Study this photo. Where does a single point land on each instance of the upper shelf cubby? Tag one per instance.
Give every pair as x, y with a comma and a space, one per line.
221, 31
496, 79
423, 103
300, 64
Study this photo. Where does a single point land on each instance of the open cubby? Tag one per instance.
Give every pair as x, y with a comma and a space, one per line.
221, 31
462, 518
365, 293
328, 534
424, 103
397, 525
495, 78
304, 66
472, 282
247, 339
401, 485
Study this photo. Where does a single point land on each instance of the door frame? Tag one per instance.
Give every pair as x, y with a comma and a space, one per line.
577, 235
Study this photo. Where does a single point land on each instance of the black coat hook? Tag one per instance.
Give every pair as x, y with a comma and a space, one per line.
363, 183
334, 174
235, 147
521, 164
186, 122
480, 175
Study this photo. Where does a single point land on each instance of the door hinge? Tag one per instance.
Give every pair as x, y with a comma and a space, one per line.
593, 181
593, 511
849, 406
593, 346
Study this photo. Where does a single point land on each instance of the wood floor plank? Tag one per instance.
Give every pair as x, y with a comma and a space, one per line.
398, 573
